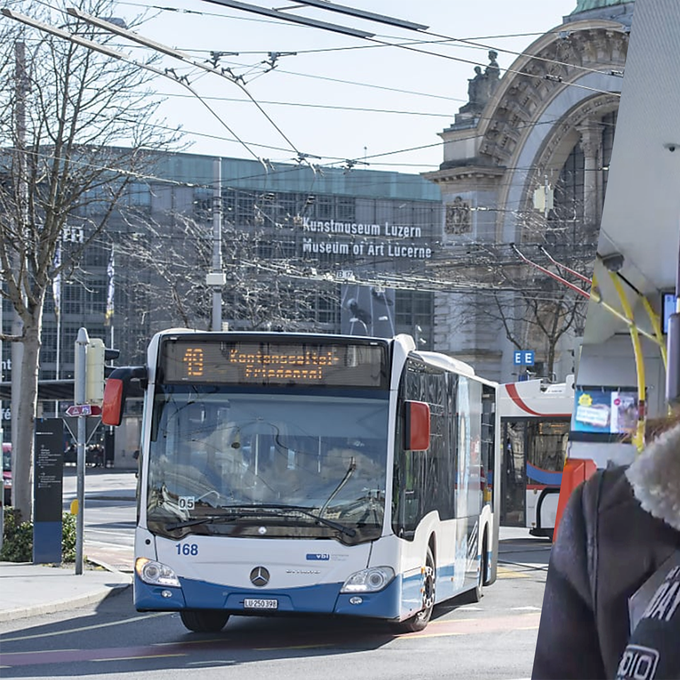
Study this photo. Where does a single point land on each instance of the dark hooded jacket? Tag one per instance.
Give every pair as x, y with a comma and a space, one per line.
617, 530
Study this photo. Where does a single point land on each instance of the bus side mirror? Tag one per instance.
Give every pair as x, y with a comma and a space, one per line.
115, 392
416, 426
114, 401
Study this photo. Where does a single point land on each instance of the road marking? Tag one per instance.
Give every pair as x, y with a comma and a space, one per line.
143, 656
478, 626
212, 662
38, 657
504, 572
450, 628
77, 630
528, 608
269, 649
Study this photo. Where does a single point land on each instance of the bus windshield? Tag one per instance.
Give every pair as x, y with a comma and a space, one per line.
271, 465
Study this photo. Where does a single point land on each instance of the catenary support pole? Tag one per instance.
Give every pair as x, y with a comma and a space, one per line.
79, 398
217, 272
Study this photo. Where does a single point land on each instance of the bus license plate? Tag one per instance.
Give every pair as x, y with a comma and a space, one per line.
260, 604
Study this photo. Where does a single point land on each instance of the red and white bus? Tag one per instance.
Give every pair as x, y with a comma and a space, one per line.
535, 423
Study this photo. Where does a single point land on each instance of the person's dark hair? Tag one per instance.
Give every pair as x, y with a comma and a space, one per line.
657, 426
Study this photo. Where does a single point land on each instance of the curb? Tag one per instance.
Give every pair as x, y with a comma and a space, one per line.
108, 567
89, 497
98, 496
62, 605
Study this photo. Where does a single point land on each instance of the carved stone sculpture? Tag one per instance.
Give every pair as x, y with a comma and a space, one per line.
482, 86
458, 217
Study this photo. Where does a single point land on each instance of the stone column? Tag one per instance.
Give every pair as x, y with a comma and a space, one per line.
591, 145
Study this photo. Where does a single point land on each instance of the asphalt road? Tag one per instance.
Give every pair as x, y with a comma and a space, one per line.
492, 639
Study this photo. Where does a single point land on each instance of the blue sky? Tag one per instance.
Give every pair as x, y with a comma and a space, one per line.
338, 97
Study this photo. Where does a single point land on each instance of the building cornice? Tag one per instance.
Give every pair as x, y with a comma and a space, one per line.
461, 173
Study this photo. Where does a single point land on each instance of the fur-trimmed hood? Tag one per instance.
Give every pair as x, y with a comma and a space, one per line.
655, 477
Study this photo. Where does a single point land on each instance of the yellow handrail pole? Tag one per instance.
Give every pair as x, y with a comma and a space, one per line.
639, 436
656, 325
596, 297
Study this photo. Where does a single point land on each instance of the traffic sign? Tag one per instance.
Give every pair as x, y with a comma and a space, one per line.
83, 410
524, 357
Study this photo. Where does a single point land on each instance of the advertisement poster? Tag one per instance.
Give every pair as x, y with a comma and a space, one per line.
605, 411
367, 311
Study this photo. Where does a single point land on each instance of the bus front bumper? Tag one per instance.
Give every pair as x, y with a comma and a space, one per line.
318, 599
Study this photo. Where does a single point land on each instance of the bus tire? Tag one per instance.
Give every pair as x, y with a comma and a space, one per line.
204, 620
485, 559
478, 592
422, 618
475, 594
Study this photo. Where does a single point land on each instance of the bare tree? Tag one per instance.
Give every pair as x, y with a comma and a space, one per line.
73, 124
539, 313
549, 281
264, 288
526, 301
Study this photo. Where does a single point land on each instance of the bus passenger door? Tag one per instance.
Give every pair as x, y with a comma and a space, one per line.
513, 470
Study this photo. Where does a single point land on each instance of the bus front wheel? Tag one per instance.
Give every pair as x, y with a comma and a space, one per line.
204, 621
422, 618
477, 593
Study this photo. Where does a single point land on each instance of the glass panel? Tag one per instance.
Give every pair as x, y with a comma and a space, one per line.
513, 484
212, 452
547, 445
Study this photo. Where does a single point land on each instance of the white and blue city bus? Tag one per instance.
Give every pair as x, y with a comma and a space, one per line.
298, 473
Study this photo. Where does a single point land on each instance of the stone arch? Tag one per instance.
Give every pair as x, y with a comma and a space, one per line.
529, 119
547, 67
560, 141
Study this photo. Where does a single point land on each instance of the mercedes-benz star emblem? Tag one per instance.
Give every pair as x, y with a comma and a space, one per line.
259, 577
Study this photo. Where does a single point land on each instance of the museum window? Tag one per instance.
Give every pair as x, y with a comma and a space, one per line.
95, 297
608, 128
327, 308
97, 254
72, 298
415, 310
346, 209
48, 348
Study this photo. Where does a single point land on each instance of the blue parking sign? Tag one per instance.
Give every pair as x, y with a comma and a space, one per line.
523, 357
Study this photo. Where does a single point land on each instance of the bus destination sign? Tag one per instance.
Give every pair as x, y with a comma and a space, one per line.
253, 362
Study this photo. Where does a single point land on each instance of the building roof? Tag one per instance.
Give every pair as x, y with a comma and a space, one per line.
585, 5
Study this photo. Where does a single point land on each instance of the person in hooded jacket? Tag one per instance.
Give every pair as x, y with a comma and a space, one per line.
611, 603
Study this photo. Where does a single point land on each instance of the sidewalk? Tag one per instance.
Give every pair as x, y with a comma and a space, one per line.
31, 590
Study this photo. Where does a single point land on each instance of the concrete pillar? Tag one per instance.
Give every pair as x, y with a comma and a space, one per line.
591, 145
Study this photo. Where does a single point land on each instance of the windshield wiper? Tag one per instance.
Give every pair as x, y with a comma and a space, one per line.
260, 510
350, 471
206, 519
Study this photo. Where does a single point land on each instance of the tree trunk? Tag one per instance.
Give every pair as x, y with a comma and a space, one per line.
23, 438
551, 358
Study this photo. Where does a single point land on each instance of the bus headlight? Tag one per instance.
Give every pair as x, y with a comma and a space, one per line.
155, 573
368, 580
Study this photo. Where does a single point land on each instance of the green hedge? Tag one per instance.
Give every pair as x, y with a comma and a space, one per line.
17, 543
